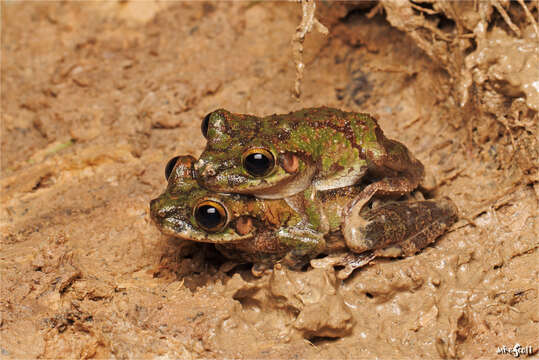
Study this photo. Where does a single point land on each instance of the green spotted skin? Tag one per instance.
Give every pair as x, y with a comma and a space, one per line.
334, 149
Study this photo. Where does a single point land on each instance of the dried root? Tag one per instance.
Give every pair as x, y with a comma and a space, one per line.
308, 21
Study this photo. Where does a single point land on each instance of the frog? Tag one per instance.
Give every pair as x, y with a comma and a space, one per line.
269, 231
322, 148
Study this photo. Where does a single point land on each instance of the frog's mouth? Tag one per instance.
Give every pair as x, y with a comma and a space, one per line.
184, 230
285, 185
173, 222
280, 183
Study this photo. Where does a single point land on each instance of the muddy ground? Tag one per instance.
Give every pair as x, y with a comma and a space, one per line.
97, 97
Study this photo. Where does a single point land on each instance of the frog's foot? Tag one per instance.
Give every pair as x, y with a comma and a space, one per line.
349, 262
260, 269
399, 228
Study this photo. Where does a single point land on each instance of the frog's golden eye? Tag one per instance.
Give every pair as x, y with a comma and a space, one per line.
258, 162
205, 124
211, 215
170, 166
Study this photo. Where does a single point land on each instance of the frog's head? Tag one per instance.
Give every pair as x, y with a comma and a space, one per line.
246, 155
187, 211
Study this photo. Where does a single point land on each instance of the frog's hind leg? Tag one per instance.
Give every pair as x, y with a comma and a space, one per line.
390, 186
399, 228
399, 172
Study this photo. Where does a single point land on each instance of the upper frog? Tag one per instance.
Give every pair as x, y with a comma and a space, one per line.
278, 156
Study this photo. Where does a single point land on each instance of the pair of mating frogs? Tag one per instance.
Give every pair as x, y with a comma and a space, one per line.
287, 188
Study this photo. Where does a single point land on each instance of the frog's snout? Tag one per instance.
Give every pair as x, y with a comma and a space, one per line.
153, 208
157, 212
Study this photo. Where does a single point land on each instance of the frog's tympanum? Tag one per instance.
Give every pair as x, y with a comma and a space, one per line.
290, 230
278, 156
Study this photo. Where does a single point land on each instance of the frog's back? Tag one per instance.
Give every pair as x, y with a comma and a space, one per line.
317, 117
335, 140
322, 146
322, 125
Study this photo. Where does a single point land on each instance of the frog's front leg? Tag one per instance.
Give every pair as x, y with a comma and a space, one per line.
304, 244
399, 228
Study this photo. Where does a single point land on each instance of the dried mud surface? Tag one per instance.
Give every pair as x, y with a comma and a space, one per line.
96, 97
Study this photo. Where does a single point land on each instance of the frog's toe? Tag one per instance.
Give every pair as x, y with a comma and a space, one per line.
259, 269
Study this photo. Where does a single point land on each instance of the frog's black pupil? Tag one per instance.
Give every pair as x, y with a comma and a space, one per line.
204, 125
208, 217
170, 165
257, 164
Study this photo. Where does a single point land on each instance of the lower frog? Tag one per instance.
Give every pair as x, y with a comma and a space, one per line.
246, 228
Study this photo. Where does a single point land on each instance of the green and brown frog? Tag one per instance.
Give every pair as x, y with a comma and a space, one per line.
279, 156
247, 228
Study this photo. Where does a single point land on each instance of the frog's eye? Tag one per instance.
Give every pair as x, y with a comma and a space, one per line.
170, 166
211, 215
205, 124
258, 162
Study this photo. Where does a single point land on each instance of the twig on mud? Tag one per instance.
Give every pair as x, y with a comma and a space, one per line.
494, 203
312, 344
530, 17
307, 22
506, 17
451, 176
411, 122
505, 124
425, 10
375, 10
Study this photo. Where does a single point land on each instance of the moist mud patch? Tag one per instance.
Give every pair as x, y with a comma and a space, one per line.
98, 97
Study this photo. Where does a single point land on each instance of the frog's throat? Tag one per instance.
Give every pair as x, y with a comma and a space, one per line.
291, 186
341, 179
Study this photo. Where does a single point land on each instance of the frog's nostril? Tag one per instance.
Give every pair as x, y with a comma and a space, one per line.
208, 171
156, 210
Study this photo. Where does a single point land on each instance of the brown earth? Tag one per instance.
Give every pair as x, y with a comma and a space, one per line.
96, 97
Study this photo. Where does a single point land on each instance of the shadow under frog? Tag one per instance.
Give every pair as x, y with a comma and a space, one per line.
263, 231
